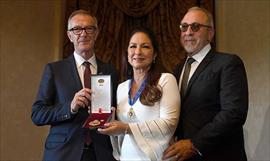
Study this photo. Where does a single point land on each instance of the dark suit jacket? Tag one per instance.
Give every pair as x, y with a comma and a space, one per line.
215, 107
58, 86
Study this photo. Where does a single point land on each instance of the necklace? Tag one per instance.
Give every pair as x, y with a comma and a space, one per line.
131, 102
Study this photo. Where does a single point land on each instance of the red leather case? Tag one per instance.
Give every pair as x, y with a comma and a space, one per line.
97, 120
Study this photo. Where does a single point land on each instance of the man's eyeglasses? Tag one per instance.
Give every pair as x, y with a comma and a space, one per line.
194, 26
79, 30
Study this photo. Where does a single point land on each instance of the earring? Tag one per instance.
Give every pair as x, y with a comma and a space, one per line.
154, 59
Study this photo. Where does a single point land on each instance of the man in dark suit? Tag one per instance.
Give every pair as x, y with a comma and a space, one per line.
214, 97
63, 100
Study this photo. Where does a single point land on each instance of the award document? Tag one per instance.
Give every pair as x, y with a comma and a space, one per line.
100, 101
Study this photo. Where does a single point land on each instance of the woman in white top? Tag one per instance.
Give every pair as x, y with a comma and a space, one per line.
148, 104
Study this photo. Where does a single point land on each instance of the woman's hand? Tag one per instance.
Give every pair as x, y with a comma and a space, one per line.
114, 128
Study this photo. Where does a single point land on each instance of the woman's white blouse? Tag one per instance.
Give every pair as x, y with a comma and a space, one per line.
152, 127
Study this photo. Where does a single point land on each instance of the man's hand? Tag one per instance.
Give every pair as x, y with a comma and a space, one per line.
81, 100
180, 151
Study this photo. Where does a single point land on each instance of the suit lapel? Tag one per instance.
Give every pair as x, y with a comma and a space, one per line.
74, 72
100, 69
199, 69
178, 70
77, 84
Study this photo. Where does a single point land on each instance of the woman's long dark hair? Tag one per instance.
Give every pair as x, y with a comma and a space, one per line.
152, 91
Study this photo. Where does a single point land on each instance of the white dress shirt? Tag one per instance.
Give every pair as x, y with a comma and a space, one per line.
80, 67
198, 59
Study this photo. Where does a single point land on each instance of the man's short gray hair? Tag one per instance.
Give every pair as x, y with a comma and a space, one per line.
209, 16
80, 12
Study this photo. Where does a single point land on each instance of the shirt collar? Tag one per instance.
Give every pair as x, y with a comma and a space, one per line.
79, 60
202, 53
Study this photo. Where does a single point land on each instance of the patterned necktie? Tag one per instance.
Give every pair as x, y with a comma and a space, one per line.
87, 75
87, 84
184, 83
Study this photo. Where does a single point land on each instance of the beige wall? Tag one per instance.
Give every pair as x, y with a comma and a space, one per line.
31, 34
243, 27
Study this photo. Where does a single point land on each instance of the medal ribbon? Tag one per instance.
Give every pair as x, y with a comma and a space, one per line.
131, 101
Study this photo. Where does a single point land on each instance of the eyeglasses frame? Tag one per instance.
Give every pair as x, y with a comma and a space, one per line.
192, 26
80, 29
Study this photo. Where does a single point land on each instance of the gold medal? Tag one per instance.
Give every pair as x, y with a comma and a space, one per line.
94, 123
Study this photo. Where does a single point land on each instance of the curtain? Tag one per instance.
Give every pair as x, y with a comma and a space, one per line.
117, 18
